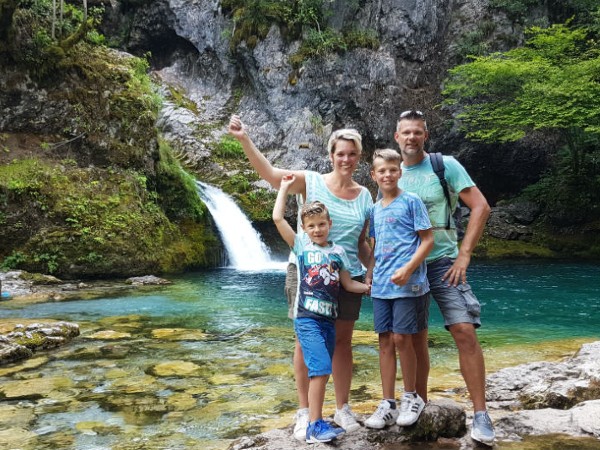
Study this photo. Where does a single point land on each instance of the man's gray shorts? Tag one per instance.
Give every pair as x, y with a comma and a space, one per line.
458, 304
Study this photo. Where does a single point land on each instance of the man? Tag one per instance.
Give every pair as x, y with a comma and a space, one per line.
447, 264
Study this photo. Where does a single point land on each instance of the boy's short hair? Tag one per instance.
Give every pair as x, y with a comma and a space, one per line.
345, 134
387, 154
315, 208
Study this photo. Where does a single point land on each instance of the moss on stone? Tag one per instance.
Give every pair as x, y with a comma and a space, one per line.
116, 204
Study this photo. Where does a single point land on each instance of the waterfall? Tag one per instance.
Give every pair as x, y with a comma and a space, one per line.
244, 247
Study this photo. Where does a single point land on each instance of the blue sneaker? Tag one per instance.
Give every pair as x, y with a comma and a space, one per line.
482, 429
321, 431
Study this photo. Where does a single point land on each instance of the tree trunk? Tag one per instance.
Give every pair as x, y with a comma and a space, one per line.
7, 11
53, 19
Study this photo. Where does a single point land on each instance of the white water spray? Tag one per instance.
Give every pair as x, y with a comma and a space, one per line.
245, 249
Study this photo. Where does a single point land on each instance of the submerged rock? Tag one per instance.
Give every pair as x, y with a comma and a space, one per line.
175, 369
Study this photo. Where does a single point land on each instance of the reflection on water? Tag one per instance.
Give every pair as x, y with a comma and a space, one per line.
208, 359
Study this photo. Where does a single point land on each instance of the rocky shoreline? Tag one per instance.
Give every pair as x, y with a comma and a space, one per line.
535, 399
35, 287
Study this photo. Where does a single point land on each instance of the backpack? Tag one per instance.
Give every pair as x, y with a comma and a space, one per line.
437, 164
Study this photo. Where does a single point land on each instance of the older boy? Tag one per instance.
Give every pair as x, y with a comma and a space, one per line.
401, 238
322, 266
447, 264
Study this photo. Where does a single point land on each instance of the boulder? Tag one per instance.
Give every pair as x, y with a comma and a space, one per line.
24, 340
441, 419
540, 385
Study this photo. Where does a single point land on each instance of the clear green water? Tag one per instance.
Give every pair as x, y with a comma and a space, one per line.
242, 381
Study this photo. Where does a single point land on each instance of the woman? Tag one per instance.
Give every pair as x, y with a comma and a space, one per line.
349, 205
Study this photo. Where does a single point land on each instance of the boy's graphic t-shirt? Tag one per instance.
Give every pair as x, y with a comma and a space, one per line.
319, 274
395, 228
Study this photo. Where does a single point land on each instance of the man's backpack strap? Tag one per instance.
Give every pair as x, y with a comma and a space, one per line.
437, 163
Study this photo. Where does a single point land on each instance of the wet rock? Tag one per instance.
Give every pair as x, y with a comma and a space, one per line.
15, 416
175, 368
33, 389
16, 438
24, 340
440, 419
10, 352
503, 225
23, 286
178, 334
109, 335
147, 280
32, 363
540, 385
582, 420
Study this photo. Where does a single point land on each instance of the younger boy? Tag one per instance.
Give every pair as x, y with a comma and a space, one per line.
401, 238
321, 266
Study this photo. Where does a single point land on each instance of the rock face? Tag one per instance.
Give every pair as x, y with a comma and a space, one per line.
292, 110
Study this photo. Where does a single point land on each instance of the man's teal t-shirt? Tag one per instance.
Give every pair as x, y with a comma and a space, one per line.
420, 179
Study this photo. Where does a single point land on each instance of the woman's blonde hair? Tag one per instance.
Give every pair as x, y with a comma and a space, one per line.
345, 134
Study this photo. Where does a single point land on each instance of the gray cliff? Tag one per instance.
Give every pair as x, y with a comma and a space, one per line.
291, 110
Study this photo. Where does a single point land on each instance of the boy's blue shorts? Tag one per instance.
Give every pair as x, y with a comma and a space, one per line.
404, 315
317, 339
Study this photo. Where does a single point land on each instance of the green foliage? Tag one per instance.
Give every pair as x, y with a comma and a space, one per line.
567, 198
551, 84
40, 40
515, 9
176, 190
253, 18
476, 42
317, 43
258, 204
236, 184
361, 38
98, 221
178, 97
12, 261
306, 19
228, 148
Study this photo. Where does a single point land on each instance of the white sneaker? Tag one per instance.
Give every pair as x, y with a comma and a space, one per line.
410, 409
301, 424
345, 418
383, 416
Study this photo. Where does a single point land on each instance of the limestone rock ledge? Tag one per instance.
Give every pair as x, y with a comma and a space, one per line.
24, 340
442, 420
534, 399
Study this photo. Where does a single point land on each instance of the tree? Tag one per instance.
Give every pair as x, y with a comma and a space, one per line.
552, 84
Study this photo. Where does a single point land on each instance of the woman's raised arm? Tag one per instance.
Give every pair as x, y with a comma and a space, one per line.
261, 164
